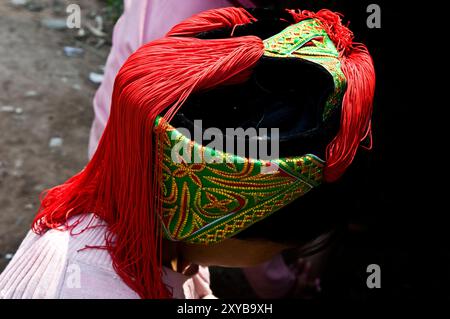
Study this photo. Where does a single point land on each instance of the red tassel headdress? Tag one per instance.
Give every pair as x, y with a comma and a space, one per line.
120, 183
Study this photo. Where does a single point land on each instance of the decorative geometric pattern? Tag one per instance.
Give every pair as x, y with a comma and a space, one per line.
308, 40
206, 203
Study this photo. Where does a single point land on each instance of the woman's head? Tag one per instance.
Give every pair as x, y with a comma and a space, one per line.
123, 183
298, 87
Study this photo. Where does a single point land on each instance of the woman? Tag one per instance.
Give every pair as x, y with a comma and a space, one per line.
135, 220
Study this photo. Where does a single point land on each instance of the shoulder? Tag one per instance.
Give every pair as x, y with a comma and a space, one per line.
60, 264
37, 266
89, 273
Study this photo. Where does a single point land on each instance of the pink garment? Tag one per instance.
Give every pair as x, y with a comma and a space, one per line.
56, 266
141, 22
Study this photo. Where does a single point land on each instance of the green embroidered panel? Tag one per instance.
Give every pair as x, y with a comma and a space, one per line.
208, 202
308, 40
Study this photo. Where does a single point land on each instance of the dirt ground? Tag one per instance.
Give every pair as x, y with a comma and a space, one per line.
43, 95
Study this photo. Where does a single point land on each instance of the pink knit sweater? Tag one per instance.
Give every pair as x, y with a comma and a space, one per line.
57, 265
